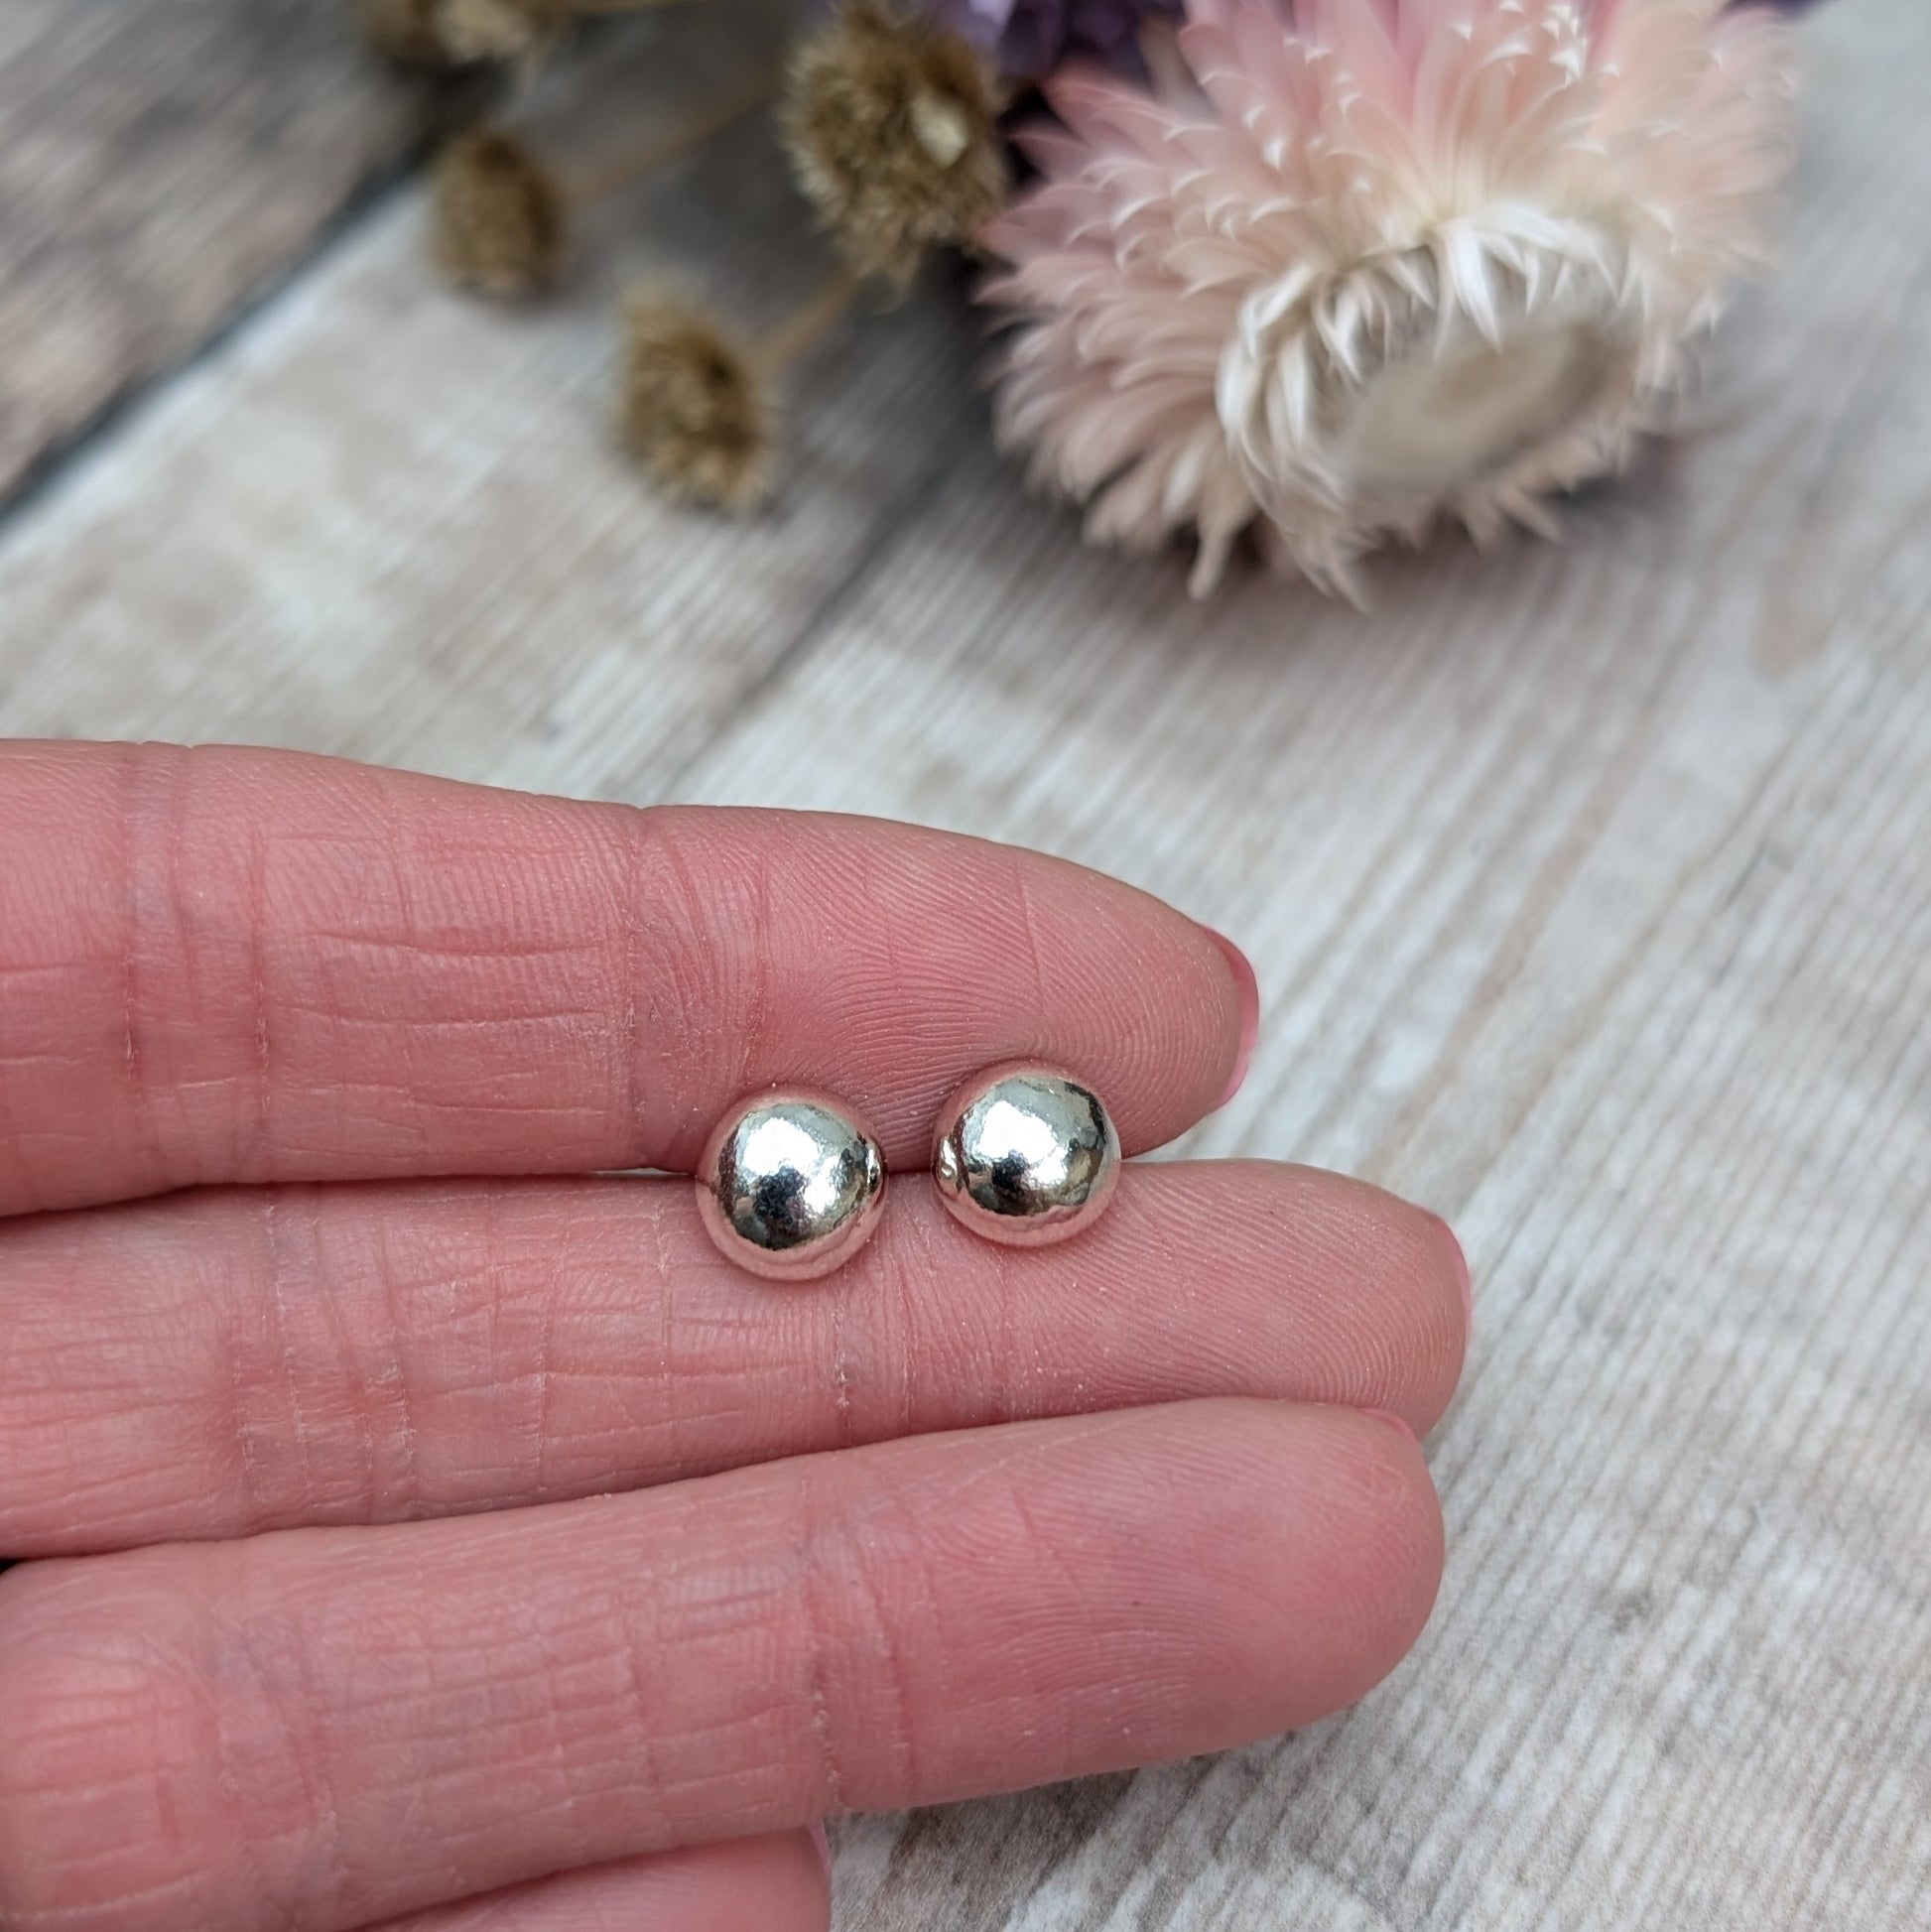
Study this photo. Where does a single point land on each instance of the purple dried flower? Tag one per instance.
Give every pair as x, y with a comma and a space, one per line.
1028, 39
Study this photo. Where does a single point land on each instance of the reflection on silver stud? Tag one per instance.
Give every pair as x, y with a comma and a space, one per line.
1025, 1155
791, 1185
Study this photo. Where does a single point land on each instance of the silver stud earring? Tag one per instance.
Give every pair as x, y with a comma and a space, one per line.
791, 1185
1025, 1155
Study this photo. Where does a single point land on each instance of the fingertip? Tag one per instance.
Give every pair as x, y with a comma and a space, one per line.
1448, 1308
1406, 1545
1248, 995
1400, 1290
1323, 1522
1444, 1308
1457, 1262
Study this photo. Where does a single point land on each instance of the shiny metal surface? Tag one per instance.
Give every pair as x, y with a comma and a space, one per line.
791, 1185
1025, 1155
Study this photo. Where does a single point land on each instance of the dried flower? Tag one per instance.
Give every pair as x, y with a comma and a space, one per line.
892, 130
1027, 39
693, 409
501, 29
1370, 262
501, 222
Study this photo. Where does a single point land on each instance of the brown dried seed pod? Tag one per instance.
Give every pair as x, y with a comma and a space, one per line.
694, 409
893, 128
501, 222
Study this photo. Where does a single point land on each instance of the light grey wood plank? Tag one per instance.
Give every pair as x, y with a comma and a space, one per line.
161, 162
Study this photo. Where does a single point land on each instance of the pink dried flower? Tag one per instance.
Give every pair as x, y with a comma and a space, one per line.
1357, 264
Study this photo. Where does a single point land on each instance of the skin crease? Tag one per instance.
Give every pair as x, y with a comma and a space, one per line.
428, 1534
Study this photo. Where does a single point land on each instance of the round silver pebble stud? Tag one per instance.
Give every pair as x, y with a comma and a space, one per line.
1025, 1155
791, 1185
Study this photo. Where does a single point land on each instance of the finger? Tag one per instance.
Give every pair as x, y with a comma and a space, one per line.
247, 965
780, 1882
320, 1727
215, 1364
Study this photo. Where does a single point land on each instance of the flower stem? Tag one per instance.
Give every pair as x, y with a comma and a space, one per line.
612, 172
777, 350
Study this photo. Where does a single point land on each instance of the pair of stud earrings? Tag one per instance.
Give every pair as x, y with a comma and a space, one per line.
791, 1183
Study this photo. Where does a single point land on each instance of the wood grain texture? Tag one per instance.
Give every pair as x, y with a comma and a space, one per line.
160, 163
1589, 891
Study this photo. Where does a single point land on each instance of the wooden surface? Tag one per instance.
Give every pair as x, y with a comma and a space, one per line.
1590, 890
160, 164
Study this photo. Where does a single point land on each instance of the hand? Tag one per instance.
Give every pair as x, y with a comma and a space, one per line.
420, 1510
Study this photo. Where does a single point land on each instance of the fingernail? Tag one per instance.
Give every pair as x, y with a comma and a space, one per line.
1460, 1272
1395, 1423
824, 1844
1243, 978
